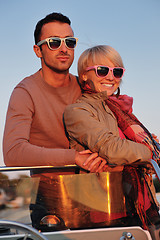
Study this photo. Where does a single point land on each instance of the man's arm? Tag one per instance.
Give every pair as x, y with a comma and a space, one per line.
17, 149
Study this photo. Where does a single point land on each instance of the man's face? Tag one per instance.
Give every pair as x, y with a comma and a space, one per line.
61, 59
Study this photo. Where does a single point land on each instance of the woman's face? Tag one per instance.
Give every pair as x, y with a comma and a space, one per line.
108, 83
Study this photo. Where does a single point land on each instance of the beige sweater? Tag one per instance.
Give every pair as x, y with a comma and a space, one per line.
34, 133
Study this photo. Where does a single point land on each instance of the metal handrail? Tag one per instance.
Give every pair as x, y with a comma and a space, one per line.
156, 168
5, 169
25, 168
22, 227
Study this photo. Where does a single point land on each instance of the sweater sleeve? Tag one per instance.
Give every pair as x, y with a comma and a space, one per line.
86, 129
17, 149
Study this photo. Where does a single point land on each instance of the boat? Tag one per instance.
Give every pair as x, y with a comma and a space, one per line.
83, 206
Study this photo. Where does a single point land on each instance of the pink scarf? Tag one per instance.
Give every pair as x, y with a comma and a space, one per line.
130, 126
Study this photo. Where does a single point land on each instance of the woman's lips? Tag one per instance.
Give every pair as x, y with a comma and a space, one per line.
107, 84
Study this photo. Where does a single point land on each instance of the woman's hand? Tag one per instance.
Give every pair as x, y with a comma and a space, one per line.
90, 161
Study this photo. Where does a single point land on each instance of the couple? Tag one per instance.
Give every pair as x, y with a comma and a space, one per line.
101, 121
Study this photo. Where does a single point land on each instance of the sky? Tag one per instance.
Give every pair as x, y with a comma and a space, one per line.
132, 27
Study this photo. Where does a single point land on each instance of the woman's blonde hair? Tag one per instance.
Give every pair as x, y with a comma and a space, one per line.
92, 56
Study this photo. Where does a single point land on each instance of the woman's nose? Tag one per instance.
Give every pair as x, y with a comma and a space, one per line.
110, 75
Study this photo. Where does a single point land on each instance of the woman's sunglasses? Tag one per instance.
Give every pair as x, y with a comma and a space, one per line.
102, 71
55, 42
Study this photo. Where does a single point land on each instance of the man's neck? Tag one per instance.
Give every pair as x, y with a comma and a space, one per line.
56, 79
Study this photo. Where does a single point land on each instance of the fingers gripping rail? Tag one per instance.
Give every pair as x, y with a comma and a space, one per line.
156, 168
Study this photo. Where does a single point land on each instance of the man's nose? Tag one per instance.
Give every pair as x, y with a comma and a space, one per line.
63, 47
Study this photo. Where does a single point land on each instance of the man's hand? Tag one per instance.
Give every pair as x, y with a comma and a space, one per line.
90, 161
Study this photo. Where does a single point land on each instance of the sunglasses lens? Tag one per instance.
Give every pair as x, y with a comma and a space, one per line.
118, 72
54, 43
71, 42
102, 71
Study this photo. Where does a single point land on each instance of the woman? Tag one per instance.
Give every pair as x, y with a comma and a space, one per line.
102, 121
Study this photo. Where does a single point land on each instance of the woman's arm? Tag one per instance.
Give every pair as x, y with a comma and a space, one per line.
86, 129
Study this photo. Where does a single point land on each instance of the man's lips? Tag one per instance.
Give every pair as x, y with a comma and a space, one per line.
63, 58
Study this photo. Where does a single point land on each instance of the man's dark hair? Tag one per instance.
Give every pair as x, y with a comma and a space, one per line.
53, 17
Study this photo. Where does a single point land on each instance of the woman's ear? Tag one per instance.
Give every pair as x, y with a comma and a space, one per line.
84, 77
37, 51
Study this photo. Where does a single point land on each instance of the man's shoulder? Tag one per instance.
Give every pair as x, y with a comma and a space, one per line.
28, 81
74, 80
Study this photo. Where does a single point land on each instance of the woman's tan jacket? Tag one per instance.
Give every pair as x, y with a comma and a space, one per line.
92, 125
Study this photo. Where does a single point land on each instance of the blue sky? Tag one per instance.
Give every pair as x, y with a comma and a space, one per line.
130, 26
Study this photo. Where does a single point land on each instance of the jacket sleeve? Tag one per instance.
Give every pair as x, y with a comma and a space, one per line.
85, 128
17, 149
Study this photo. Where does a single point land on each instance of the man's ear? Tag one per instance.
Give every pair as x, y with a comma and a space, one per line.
84, 77
37, 51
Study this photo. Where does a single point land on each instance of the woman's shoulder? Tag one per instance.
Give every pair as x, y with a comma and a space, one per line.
85, 104
79, 104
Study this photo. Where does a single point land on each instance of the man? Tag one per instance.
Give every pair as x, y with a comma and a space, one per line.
34, 134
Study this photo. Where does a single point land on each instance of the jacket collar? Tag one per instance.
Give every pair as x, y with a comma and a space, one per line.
96, 96
101, 97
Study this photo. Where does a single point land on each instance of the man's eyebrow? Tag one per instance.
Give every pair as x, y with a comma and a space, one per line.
60, 37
